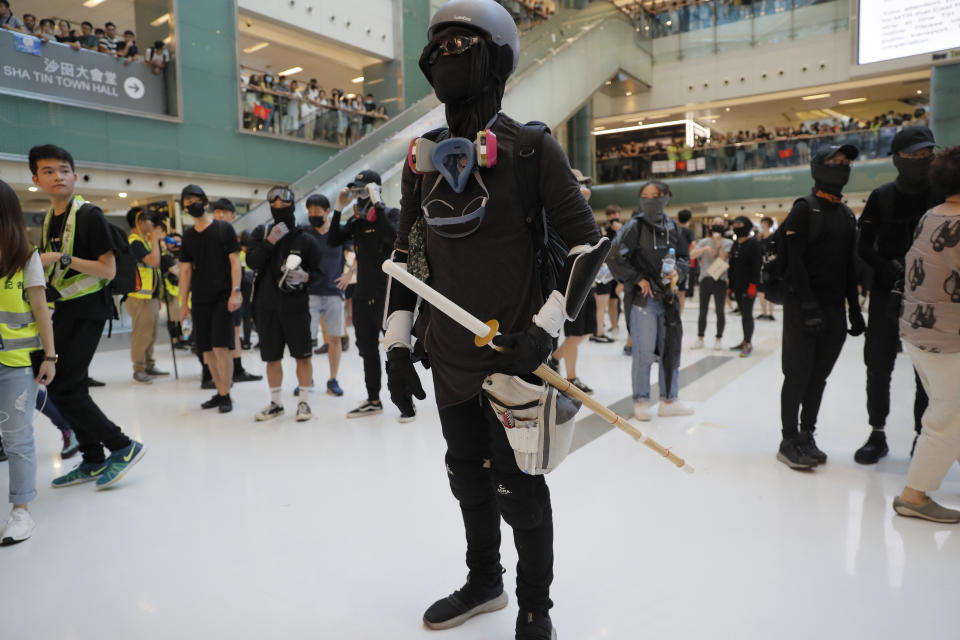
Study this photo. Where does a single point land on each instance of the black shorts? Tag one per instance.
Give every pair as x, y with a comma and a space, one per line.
585, 324
212, 325
278, 330
607, 289
238, 317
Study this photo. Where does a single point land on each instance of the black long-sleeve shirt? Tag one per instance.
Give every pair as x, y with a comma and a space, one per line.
822, 270
745, 260
491, 272
373, 243
267, 260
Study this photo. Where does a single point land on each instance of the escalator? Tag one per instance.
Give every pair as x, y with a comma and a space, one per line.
563, 62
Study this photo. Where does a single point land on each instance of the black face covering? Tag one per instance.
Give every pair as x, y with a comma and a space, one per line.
741, 232
830, 178
912, 173
317, 221
718, 228
284, 214
196, 209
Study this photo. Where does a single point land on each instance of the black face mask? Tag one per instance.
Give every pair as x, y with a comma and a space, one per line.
831, 178
912, 173
196, 209
317, 221
718, 228
741, 232
283, 214
453, 80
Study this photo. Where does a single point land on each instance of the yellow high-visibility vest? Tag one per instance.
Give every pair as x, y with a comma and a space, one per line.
18, 328
146, 275
80, 284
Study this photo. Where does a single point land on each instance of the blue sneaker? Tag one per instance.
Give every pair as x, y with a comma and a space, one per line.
119, 463
83, 472
333, 387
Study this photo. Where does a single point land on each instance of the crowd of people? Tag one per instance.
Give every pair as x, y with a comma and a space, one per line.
106, 39
745, 150
285, 107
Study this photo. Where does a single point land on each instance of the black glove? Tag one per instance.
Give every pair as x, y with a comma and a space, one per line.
402, 380
857, 324
812, 318
890, 272
527, 351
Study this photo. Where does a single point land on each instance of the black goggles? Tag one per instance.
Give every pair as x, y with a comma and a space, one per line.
279, 193
452, 46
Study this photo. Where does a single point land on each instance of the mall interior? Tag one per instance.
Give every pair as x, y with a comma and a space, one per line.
338, 521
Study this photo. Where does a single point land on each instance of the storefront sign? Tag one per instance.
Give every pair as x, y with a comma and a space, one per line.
56, 73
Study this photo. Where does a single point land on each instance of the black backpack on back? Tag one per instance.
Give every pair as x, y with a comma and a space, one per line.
125, 280
773, 265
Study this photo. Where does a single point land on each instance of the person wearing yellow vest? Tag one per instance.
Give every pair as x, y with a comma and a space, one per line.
24, 328
77, 255
143, 305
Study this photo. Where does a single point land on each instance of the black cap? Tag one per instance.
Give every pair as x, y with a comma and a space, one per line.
911, 139
193, 190
744, 220
223, 205
364, 178
828, 152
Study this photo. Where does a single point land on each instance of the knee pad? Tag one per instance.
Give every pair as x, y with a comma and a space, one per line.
470, 480
523, 499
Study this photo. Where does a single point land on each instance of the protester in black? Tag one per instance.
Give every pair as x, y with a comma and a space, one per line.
886, 232
372, 227
285, 258
745, 258
820, 232
688, 285
474, 246
78, 256
210, 291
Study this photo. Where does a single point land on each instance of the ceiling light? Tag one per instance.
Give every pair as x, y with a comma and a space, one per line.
628, 93
162, 19
669, 23
357, 80
122, 194
919, 91
599, 131
32, 189
713, 122
639, 121
601, 128
727, 109
257, 47
816, 96
92, 3
608, 82
290, 71
852, 101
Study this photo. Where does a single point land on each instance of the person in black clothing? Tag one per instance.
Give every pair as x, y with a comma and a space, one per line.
285, 258
470, 240
210, 282
78, 257
745, 258
688, 285
765, 237
886, 232
821, 233
373, 229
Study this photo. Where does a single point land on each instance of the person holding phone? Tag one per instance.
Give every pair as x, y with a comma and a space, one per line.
25, 327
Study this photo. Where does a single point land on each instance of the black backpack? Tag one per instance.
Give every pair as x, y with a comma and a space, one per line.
550, 250
125, 280
773, 266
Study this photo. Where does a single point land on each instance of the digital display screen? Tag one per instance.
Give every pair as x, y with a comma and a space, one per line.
891, 29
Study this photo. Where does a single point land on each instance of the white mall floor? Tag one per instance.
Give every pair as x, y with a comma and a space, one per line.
342, 528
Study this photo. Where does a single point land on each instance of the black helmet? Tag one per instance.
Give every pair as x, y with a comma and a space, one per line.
485, 16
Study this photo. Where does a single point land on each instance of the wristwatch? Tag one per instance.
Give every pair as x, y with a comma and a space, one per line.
54, 358
65, 260
236, 288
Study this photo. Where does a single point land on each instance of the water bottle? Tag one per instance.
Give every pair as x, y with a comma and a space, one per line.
669, 265
187, 328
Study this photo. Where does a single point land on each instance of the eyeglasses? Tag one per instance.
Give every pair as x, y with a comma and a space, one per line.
452, 46
279, 193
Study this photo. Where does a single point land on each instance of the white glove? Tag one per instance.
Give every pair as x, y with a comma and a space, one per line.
296, 277
551, 315
398, 329
277, 232
373, 192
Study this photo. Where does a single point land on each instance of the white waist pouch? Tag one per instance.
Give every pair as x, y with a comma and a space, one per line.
538, 420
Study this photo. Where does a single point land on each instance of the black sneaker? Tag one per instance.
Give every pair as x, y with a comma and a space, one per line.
226, 404
208, 384
212, 403
95, 383
738, 347
808, 447
344, 343
368, 408
324, 349
874, 449
913, 447
463, 604
535, 626
553, 363
604, 339
790, 455
3, 455
245, 376
627, 350
578, 383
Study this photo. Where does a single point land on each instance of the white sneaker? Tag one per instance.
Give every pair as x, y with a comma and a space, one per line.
303, 412
698, 344
641, 411
718, 345
19, 527
671, 409
271, 412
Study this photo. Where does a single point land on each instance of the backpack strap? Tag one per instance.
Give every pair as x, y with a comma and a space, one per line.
527, 162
